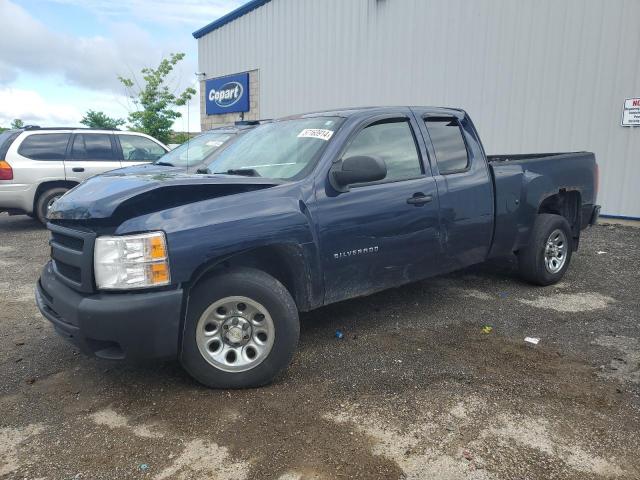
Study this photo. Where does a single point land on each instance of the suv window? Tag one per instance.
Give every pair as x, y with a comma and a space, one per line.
140, 148
45, 146
448, 143
391, 140
6, 139
92, 146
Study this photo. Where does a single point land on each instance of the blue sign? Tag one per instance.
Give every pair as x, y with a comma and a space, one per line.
227, 94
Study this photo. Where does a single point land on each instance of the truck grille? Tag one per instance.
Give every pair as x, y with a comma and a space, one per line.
72, 256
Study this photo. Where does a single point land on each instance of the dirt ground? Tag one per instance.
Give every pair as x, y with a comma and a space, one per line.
414, 390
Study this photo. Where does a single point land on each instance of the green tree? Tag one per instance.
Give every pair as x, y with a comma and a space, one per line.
17, 123
93, 119
179, 137
155, 100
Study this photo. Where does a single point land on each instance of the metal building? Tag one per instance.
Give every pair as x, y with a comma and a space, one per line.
535, 75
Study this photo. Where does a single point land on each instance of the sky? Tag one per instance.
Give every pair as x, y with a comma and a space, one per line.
60, 58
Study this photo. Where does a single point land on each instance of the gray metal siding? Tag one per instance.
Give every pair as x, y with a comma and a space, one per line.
535, 75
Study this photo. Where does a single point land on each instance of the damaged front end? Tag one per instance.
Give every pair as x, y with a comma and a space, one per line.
118, 197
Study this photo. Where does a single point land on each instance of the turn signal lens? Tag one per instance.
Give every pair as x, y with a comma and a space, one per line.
158, 250
6, 172
131, 261
160, 273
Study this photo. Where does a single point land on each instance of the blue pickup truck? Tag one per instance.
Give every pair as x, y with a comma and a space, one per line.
212, 267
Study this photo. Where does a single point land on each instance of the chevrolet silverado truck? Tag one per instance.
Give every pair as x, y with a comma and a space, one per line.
212, 268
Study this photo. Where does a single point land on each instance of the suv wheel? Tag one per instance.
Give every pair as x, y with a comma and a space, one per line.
241, 330
45, 200
546, 258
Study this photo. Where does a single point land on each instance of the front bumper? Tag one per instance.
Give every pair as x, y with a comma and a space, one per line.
133, 326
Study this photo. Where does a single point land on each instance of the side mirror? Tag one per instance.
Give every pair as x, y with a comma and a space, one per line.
358, 169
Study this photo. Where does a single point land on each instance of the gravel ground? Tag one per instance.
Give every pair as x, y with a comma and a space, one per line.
415, 389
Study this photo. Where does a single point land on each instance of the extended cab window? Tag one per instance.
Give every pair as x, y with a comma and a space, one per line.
137, 148
45, 146
393, 142
447, 140
92, 146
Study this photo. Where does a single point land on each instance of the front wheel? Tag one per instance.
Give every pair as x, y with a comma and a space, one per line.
546, 258
241, 330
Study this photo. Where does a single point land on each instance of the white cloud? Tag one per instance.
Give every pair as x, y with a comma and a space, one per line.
37, 109
76, 73
27, 45
193, 13
32, 108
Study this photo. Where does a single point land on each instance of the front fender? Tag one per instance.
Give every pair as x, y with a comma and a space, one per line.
202, 232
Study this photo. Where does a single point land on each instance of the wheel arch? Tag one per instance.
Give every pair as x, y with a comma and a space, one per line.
285, 262
44, 186
568, 204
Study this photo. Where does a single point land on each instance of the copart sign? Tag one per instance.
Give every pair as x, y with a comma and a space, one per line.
227, 94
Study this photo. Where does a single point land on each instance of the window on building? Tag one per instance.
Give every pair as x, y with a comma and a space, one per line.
448, 143
393, 142
136, 148
47, 146
92, 146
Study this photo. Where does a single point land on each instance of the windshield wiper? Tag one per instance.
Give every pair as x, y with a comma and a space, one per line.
245, 172
166, 164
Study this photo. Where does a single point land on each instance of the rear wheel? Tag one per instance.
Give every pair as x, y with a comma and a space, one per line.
46, 200
546, 258
241, 330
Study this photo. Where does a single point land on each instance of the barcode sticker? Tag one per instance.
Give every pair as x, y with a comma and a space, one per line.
320, 133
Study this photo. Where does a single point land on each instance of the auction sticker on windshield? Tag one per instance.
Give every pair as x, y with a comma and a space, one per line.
320, 133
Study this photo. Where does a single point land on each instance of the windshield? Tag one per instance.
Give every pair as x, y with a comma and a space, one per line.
196, 150
283, 149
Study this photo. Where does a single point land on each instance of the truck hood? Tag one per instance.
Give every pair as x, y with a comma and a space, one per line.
126, 195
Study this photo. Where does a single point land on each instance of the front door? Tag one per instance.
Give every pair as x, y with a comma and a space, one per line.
137, 150
90, 154
385, 233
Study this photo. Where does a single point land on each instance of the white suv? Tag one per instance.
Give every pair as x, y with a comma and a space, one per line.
38, 165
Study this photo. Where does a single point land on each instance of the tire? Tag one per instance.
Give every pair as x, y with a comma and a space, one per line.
215, 326
538, 265
45, 200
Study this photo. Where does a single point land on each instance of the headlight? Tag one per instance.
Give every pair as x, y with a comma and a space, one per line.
131, 261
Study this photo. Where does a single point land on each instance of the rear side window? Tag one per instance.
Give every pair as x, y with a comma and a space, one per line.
393, 142
45, 146
6, 139
137, 148
451, 151
92, 146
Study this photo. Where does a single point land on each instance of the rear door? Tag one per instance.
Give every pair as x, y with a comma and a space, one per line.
464, 186
91, 153
136, 149
381, 234
39, 158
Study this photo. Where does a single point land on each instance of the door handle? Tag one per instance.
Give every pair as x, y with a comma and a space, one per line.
419, 199
78, 169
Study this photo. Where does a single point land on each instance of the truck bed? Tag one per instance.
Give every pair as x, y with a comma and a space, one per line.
522, 181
